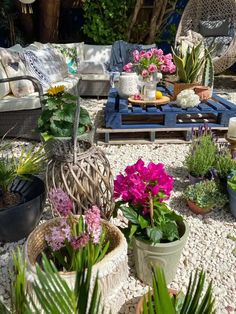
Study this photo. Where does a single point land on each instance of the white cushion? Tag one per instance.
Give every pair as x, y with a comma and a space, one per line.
4, 87
92, 67
15, 67
95, 77
98, 53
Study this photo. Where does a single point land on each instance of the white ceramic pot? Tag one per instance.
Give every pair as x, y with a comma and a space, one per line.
128, 84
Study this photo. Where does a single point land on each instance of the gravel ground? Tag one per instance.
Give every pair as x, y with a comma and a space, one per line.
208, 246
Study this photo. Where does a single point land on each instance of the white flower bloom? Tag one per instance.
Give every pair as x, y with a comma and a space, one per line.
187, 99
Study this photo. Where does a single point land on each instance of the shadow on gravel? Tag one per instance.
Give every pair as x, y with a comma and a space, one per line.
129, 306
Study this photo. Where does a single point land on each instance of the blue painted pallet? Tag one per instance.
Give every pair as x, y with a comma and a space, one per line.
119, 114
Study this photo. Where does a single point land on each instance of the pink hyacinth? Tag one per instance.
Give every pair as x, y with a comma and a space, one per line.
80, 241
128, 67
61, 202
57, 235
152, 68
93, 221
145, 73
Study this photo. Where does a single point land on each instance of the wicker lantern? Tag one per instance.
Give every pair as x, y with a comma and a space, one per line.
83, 171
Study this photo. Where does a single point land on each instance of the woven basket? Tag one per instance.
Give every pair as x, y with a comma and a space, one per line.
112, 269
83, 171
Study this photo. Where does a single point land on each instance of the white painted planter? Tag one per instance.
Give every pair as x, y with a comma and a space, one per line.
128, 84
166, 255
112, 269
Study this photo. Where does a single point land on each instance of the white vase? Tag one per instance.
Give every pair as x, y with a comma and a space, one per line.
128, 84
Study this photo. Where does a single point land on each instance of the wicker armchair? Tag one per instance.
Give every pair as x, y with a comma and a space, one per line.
21, 123
208, 17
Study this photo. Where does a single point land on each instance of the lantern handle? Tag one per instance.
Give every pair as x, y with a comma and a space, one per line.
75, 128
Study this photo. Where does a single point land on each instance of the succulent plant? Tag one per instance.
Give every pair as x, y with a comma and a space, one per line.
208, 72
206, 194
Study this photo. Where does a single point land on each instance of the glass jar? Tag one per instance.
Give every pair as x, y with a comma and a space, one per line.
149, 90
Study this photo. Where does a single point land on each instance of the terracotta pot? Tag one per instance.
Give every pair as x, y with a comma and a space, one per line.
179, 87
196, 209
204, 92
139, 307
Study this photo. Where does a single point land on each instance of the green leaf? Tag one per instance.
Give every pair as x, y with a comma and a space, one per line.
170, 231
143, 222
133, 229
155, 234
130, 214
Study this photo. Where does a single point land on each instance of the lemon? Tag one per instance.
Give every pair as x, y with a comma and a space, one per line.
158, 94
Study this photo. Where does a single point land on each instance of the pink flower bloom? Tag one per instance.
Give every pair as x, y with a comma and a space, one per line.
152, 68
93, 221
60, 202
57, 235
154, 51
148, 54
128, 67
136, 55
168, 56
142, 54
137, 97
160, 52
145, 73
80, 241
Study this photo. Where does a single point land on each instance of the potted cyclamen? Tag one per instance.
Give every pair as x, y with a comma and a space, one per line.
149, 65
68, 239
158, 234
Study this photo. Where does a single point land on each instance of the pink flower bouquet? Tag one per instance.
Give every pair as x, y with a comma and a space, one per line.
74, 237
149, 63
142, 191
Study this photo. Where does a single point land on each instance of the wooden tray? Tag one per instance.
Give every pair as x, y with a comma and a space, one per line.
163, 100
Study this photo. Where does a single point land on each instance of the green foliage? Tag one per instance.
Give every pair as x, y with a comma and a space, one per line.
53, 295
206, 194
106, 21
189, 62
232, 180
164, 229
208, 72
160, 301
201, 156
57, 119
29, 162
224, 163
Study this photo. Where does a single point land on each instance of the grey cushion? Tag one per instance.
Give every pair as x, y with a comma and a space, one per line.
214, 28
92, 67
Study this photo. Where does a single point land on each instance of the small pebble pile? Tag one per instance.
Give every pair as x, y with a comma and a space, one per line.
209, 245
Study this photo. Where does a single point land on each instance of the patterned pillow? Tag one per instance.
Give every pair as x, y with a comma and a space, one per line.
15, 67
70, 55
46, 65
4, 87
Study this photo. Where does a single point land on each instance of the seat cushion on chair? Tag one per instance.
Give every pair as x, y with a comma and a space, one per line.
92, 67
95, 77
11, 103
214, 28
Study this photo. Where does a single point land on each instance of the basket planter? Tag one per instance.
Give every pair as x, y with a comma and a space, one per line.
139, 307
19, 220
166, 255
197, 209
112, 269
232, 200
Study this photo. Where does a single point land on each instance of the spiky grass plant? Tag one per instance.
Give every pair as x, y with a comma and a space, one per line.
159, 301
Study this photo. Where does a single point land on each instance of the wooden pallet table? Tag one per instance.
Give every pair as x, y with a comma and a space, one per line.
122, 117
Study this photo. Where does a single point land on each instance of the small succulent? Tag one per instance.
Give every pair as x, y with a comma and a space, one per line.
206, 194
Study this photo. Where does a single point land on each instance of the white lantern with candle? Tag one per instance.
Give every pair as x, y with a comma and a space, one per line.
232, 128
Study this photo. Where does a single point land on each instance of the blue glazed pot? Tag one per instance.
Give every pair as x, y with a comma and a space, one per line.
232, 200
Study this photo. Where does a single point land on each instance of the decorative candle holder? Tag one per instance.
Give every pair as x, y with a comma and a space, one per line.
232, 142
231, 136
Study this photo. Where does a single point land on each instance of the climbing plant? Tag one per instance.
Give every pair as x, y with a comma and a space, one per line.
106, 21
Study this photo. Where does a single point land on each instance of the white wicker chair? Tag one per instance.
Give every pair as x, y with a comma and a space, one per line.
213, 16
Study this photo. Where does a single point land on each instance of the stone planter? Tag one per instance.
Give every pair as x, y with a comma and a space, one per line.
112, 269
232, 200
166, 255
196, 209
